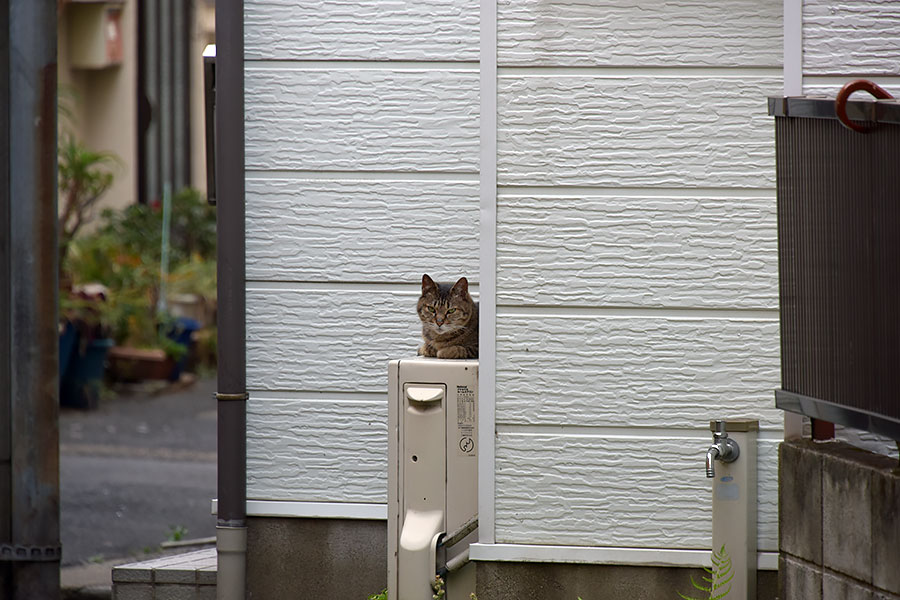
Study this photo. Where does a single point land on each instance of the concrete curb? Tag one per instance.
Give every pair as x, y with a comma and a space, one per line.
90, 592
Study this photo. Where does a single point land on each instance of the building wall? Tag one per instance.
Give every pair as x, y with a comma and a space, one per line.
636, 269
103, 104
203, 32
362, 174
636, 258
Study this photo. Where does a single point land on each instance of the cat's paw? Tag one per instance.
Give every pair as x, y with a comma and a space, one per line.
452, 352
425, 350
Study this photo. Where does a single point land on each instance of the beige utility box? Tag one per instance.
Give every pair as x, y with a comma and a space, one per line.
432, 476
95, 34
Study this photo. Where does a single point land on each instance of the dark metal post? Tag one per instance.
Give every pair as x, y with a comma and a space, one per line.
33, 294
822, 430
232, 380
209, 103
5, 297
230, 210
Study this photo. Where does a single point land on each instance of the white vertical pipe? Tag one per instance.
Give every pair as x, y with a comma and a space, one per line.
488, 271
734, 506
793, 86
793, 48
793, 425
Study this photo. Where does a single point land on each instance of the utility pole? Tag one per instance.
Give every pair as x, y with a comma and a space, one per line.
29, 362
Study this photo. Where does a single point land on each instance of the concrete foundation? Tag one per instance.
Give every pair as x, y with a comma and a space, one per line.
346, 560
839, 522
315, 558
557, 581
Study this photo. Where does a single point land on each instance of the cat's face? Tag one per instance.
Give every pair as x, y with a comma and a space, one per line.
443, 308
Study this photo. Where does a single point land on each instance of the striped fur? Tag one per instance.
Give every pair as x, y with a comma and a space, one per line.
449, 320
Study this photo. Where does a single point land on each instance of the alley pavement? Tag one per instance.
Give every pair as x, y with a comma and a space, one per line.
136, 474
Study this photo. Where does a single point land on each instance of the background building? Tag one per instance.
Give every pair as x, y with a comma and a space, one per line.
130, 72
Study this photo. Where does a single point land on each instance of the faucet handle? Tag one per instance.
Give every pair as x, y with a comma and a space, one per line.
720, 428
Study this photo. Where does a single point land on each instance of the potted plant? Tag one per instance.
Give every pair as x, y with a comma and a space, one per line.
84, 343
125, 253
83, 177
127, 268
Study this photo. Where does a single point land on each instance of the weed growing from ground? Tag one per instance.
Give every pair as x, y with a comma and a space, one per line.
176, 533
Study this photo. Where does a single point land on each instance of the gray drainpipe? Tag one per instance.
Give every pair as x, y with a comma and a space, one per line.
231, 525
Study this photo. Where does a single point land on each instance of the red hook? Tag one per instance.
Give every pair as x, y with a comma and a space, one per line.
840, 103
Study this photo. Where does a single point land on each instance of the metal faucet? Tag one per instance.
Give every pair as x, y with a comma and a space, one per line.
723, 448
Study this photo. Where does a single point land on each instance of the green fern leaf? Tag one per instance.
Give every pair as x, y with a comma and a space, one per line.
722, 595
723, 582
702, 588
721, 575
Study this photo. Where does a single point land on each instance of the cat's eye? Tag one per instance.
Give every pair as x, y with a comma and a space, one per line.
451, 311
429, 308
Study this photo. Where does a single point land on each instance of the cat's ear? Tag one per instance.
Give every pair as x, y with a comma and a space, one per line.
461, 288
428, 283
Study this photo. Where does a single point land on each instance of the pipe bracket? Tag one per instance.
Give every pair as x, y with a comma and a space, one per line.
24, 553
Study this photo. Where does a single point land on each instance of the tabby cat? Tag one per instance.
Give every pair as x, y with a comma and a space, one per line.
449, 320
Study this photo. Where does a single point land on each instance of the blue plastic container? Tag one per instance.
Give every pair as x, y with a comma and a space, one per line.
68, 338
80, 385
180, 332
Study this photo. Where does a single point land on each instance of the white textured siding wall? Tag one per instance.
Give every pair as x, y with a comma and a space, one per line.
845, 40
636, 264
362, 173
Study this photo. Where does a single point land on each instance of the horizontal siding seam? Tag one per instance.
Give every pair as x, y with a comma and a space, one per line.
702, 432
650, 312
261, 174
555, 191
258, 64
316, 396
606, 555
640, 71
254, 64
401, 288
840, 79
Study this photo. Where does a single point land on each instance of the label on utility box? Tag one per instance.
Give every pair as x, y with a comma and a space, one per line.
465, 420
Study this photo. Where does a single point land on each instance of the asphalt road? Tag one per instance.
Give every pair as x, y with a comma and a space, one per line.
136, 469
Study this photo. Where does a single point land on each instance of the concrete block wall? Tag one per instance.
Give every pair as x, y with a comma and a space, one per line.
839, 523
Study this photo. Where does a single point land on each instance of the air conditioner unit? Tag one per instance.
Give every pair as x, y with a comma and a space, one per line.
432, 476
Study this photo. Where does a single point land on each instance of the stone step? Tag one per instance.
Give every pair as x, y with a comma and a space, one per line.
189, 576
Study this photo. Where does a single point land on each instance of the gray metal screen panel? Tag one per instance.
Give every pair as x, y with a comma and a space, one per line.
839, 269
